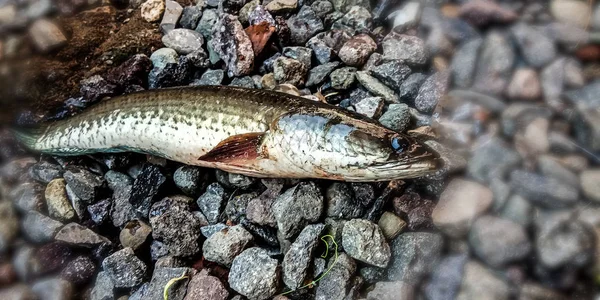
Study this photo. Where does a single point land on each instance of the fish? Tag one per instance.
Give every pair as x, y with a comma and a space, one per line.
258, 133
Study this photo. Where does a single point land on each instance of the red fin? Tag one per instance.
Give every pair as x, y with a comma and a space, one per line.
235, 148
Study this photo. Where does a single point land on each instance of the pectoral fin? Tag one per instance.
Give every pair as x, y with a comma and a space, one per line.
236, 149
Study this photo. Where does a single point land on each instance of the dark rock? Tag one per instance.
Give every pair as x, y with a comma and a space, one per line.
298, 207
298, 259
247, 10
371, 274
318, 74
199, 58
85, 184
445, 279
173, 74
392, 73
124, 268
53, 288
498, 241
464, 62
77, 235
322, 8
53, 257
161, 278
537, 48
103, 288
356, 20
415, 210
190, 17
191, 180
236, 181
184, 41
39, 228
542, 190
210, 77
231, 6
207, 23
364, 241
304, 25
45, 172
158, 250
223, 246
259, 210
28, 196
234, 47
409, 49
301, 54
202, 286
145, 187
133, 71
431, 91
396, 117
290, 71
345, 5
236, 206
245, 81
338, 282
254, 274
495, 64
79, 271
409, 89
264, 234
343, 78
176, 227
564, 241
493, 159
341, 202
357, 50
414, 254
96, 88
121, 210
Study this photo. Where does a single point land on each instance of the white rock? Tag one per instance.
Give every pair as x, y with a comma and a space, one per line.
152, 10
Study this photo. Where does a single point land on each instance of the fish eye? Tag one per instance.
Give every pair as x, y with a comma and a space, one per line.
399, 144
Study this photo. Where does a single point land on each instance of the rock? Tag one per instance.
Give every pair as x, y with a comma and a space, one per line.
53, 288
396, 117
416, 210
298, 259
177, 74
17, 292
212, 202
409, 89
318, 74
414, 254
298, 207
589, 184
124, 268
357, 20
495, 64
232, 44
518, 210
392, 73
406, 17
357, 50
254, 274
343, 78
562, 240
482, 13
537, 48
248, 9
96, 88
9, 226
79, 271
370, 107
338, 282
281, 6
322, 8
524, 85
304, 25
391, 290
49, 258
145, 187
46, 35
76, 235
184, 41
345, 5
202, 286
376, 87
190, 179
446, 278
121, 210
542, 190
260, 36
391, 225
160, 279
246, 82
210, 77
190, 17
152, 10
498, 241
459, 205
163, 56
39, 228
134, 234
223, 246
533, 139
27, 196
409, 49
103, 288
289, 71
258, 15
364, 241
571, 12
207, 23
45, 172
551, 167
301, 54
84, 183
464, 62
479, 282
431, 91
493, 159
174, 225
209, 230
173, 11
341, 202
531, 291
58, 204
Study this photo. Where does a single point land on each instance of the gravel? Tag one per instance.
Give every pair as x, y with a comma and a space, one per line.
414, 255
223, 246
202, 286
364, 241
299, 258
38, 227
212, 202
184, 41
124, 268
409, 49
542, 190
297, 207
232, 44
254, 274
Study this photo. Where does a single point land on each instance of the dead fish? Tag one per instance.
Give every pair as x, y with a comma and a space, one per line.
253, 132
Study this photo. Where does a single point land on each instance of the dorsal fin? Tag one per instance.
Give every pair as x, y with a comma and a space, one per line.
236, 148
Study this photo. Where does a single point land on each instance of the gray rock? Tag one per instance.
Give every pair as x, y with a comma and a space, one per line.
145, 186
46, 35
45, 172
210, 77
498, 241
409, 49
357, 50
235, 209
409, 89
364, 241
391, 225
406, 17
431, 92
160, 279
59, 206
39, 228
372, 275
260, 14
190, 17
103, 288
318, 74
304, 25
184, 41
445, 279
223, 246
189, 179
27, 196
298, 259
76, 235
531, 291
177, 227
464, 62
341, 202
298, 207
207, 23
459, 205
209, 230
495, 64
562, 240
396, 117
254, 274
479, 282
357, 20
124, 268
370, 106
301, 54
537, 48
391, 290
414, 254
338, 282
121, 211
163, 56
322, 8
392, 73
589, 184
493, 159
259, 209
246, 10
79, 271
542, 190
518, 210
551, 167
376, 87
345, 5
343, 78
245, 81
212, 202
173, 11
289, 71
202, 286
53, 289
232, 44
322, 51
236, 181
158, 250
9, 225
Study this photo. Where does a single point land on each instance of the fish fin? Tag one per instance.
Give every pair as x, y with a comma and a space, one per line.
236, 148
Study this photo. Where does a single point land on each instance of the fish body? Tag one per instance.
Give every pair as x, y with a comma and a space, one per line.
253, 132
